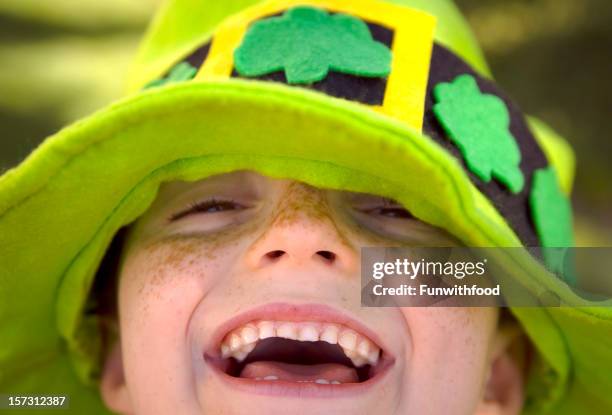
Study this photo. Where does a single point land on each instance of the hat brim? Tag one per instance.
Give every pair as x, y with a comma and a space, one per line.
61, 207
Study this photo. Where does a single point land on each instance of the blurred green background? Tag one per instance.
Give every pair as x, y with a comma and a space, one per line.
62, 59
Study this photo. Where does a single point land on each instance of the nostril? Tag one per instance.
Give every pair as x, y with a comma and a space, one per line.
329, 256
275, 254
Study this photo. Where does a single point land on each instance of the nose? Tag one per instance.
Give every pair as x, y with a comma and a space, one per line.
302, 232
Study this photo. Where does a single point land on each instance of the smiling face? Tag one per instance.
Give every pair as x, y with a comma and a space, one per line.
240, 294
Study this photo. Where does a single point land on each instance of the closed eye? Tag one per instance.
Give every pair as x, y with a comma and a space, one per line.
391, 212
390, 209
210, 206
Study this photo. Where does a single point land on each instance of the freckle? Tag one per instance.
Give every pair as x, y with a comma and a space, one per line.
181, 252
302, 199
141, 288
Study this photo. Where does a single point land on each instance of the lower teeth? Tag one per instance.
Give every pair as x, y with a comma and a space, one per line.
318, 381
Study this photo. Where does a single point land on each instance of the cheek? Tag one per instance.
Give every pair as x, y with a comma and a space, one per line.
160, 287
163, 280
156, 291
449, 357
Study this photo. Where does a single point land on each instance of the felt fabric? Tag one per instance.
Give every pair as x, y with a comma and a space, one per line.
307, 42
551, 210
198, 56
558, 152
183, 25
413, 34
478, 124
335, 144
552, 215
184, 70
445, 67
63, 205
181, 72
367, 90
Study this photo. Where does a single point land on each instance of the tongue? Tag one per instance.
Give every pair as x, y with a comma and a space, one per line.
294, 373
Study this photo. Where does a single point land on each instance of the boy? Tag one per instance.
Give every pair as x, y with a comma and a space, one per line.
239, 294
288, 135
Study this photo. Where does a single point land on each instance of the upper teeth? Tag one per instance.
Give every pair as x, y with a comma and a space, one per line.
242, 340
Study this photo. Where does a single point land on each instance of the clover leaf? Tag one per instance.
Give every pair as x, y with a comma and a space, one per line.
551, 213
479, 125
307, 43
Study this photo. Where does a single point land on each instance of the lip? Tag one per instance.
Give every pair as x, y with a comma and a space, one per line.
301, 390
295, 313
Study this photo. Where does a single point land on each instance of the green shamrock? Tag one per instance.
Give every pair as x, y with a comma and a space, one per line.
479, 124
181, 72
307, 43
551, 212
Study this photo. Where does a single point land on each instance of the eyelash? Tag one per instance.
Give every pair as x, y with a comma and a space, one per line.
398, 212
205, 206
390, 206
393, 212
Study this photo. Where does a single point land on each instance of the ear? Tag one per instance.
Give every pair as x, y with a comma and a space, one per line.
113, 387
503, 392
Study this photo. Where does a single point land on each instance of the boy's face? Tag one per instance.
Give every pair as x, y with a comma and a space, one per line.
240, 294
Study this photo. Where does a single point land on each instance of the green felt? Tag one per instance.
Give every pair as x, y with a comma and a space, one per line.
181, 72
558, 152
552, 216
92, 178
181, 26
60, 208
479, 125
307, 43
551, 210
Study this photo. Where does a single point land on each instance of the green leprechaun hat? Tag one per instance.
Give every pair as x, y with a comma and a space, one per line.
385, 97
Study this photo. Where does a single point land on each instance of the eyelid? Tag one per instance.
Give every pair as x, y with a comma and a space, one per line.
197, 206
386, 204
370, 201
379, 208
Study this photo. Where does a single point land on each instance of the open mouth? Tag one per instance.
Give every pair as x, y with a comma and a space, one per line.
302, 354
